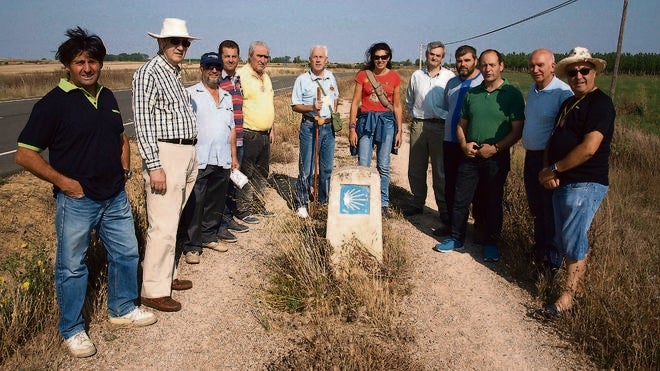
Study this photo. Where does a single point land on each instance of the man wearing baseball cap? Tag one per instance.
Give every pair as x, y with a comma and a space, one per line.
216, 156
166, 134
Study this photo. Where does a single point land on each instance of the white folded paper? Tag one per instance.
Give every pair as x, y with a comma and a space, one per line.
238, 178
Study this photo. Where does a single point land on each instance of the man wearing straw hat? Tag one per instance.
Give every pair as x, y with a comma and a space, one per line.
166, 133
577, 167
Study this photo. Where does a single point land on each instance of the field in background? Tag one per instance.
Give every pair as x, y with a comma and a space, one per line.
616, 323
28, 80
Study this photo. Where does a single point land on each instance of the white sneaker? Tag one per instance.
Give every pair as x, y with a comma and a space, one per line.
302, 212
80, 345
137, 318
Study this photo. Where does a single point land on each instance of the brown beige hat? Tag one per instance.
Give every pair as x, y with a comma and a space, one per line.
579, 54
173, 27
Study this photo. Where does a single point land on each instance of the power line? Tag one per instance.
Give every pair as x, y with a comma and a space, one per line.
565, 3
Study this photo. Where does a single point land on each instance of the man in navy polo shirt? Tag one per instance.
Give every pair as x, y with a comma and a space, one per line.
79, 122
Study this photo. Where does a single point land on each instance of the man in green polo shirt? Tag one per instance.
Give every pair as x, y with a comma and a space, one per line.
491, 122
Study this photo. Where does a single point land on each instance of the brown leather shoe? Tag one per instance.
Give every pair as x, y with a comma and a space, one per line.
179, 285
164, 304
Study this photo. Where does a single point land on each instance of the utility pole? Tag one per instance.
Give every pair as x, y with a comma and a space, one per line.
615, 73
421, 50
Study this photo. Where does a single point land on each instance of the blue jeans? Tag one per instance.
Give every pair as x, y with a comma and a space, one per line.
74, 220
539, 200
488, 175
575, 205
306, 161
383, 150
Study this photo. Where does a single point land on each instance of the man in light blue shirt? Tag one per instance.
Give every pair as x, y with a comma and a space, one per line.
304, 100
544, 98
216, 156
425, 101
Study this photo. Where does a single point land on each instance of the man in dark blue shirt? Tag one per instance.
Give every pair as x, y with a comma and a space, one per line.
79, 122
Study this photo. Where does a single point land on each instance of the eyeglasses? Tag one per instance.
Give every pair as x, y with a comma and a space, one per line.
583, 71
381, 57
210, 67
176, 42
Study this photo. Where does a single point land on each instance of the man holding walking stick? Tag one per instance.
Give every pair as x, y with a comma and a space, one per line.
316, 134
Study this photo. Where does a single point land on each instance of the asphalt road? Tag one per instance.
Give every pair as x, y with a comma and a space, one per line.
15, 113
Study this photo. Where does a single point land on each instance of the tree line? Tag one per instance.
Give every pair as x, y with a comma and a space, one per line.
124, 57
634, 64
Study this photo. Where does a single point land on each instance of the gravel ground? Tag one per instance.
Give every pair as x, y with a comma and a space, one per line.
463, 314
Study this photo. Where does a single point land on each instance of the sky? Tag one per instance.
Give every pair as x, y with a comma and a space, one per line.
33, 29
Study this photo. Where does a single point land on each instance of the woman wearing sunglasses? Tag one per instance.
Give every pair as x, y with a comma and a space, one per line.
379, 121
576, 160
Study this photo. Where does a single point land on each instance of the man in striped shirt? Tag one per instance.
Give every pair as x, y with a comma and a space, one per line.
166, 133
230, 81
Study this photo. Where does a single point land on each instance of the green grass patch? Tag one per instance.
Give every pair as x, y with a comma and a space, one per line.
636, 98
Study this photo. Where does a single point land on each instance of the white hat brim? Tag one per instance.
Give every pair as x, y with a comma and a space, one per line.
158, 36
560, 69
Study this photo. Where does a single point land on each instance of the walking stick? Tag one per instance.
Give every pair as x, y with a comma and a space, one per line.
315, 186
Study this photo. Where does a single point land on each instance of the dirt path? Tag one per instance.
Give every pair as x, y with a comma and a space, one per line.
463, 314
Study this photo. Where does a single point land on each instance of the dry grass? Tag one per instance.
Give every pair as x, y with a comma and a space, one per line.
353, 311
354, 322
616, 321
36, 79
28, 317
353, 314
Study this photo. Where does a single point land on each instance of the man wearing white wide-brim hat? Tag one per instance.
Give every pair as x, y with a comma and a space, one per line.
166, 133
576, 167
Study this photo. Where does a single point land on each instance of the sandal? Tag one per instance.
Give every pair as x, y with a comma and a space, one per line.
551, 312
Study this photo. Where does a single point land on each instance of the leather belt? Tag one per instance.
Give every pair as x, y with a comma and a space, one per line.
434, 121
188, 142
313, 119
261, 132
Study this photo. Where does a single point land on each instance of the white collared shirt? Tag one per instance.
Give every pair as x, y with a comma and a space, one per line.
425, 97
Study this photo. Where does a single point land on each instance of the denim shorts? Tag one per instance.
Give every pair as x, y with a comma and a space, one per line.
575, 205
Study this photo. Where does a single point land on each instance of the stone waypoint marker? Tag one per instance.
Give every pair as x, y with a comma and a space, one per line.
354, 211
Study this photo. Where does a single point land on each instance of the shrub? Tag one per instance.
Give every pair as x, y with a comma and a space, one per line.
27, 299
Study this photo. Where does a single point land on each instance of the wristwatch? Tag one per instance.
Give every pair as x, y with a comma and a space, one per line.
128, 173
553, 167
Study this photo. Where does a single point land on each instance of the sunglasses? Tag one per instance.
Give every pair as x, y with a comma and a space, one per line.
583, 71
176, 42
381, 57
210, 67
